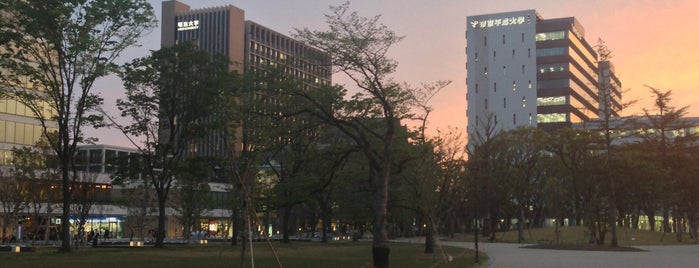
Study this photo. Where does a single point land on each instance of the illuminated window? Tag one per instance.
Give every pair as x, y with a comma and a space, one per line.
548, 101
514, 86
548, 36
485, 71
524, 102
552, 68
551, 118
530, 118
530, 83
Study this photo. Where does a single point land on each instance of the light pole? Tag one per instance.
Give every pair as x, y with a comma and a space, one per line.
475, 213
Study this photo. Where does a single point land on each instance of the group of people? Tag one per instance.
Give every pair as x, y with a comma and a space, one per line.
94, 236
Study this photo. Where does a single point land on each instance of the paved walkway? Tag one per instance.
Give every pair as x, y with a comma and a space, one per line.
503, 255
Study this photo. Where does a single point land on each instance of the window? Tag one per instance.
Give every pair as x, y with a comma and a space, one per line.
504, 70
513, 53
530, 83
522, 68
485, 71
553, 51
524, 102
549, 101
476, 88
486, 103
514, 119
495, 87
503, 39
552, 68
495, 53
551, 118
476, 56
548, 36
514, 86
504, 102
529, 52
530, 118
522, 37
485, 40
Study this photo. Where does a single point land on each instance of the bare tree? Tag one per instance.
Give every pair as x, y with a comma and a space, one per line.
359, 48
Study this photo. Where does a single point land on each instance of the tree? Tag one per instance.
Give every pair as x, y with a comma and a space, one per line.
581, 169
52, 52
664, 134
358, 47
191, 199
85, 195
523, 160
609, 98
13, 201
172, 99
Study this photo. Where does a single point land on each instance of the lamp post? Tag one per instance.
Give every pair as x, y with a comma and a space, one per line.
475, 213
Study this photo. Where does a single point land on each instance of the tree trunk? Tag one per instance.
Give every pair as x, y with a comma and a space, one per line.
160, 232
520, 229
429, 240
65, 215
666, 220
380, 244
285, 225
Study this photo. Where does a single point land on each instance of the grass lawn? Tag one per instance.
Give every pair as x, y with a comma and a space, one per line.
300, 254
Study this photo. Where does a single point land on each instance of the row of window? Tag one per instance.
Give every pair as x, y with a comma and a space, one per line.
20, 133
504, 102
552, 68
514, 119
551, 118
495, 54
504, 39
495, 86
549, 36
14, 107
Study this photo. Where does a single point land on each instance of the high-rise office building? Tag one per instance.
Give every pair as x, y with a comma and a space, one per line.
248, 45
524, 70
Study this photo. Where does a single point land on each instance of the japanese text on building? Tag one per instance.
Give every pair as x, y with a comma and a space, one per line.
187, 25
498, 22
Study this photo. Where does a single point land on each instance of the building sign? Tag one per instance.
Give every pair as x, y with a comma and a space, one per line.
498, 22
187, 25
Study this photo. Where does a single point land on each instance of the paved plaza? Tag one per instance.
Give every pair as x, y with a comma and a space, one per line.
504, 255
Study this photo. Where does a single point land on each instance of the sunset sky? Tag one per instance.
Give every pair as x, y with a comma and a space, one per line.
654, 42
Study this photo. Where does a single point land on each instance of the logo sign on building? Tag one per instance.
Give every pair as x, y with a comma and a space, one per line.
508, 21
187, 25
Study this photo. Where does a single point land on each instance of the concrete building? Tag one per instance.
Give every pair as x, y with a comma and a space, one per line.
524, 70
249, 45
